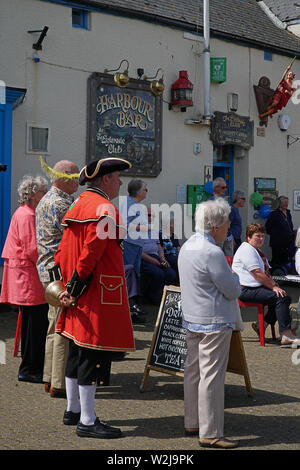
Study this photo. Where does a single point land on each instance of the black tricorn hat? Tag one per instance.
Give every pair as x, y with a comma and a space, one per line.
102, 167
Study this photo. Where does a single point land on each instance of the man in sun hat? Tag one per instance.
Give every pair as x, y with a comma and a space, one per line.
91, 263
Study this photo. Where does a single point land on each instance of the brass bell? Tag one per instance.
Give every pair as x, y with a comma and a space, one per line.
53, 291
157, 87
121, 79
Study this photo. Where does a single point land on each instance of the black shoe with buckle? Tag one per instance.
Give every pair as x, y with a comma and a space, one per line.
99, 430
136, 308
70, 418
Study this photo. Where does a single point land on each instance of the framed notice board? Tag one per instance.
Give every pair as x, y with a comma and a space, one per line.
168, 350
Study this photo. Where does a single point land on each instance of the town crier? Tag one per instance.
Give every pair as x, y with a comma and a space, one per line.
96, 316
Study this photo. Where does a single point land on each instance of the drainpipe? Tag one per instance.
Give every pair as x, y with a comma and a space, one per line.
206, 54
271, 15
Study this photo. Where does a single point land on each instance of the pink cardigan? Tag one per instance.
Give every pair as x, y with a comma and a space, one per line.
21, 284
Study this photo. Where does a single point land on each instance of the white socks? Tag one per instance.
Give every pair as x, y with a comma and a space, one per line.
72, 391
86, 395
87, 399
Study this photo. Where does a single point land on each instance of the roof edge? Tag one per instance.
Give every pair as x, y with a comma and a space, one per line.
183, 25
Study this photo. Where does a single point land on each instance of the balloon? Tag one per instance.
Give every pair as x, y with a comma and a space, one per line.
208, 187
264, 211
256, 199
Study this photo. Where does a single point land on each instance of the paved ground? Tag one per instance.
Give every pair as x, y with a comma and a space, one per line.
153, 420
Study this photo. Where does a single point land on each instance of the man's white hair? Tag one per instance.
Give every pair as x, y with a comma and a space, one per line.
213, 213
218, 181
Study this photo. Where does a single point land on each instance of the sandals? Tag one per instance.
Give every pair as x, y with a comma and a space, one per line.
287, 342
255, 328
218, 443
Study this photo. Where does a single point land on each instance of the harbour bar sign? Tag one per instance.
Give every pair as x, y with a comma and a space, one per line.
124, 123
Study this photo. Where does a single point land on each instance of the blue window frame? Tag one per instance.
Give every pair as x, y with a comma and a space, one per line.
268, 55
80, 18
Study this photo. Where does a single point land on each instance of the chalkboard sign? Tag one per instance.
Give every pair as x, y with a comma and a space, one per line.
231, 129
168, 349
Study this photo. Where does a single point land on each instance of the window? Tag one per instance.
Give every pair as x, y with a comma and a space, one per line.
37, 138
268, 55
80, 18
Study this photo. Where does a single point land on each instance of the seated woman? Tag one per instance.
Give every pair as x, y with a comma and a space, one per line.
154, 266
258, 286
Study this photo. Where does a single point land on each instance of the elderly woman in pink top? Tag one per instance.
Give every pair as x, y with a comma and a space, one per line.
21, 285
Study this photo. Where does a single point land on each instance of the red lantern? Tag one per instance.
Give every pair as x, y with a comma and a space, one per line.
181, 91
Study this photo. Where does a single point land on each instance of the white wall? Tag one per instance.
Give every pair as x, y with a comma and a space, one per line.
57, 88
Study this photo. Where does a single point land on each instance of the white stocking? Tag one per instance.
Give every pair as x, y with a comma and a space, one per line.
72, 392
87, 400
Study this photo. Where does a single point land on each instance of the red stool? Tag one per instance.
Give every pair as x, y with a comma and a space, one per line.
260, 308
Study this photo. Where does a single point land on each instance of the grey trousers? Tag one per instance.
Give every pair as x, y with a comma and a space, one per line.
56, 352
204, 377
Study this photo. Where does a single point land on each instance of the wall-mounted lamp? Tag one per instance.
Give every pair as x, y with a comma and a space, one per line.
37, 46
121, 79
181, 92
157, 86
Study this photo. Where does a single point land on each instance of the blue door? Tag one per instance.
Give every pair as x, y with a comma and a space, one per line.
5, 176
223, 167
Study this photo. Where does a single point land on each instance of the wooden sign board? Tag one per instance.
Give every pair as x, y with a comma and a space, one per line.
168, 349
232, 129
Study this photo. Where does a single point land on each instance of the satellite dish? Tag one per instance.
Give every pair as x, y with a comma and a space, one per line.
284, 122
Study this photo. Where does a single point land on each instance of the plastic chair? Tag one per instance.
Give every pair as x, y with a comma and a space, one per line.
260, 308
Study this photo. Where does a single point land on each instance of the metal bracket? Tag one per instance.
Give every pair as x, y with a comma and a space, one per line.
38, 45
290, 140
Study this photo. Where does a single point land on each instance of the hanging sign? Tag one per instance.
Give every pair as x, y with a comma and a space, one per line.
124, 123
231, 129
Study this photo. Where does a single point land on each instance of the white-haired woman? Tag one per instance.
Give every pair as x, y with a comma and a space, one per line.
209, 292
21, 285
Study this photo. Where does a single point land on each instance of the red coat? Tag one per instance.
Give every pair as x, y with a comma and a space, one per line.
101, 319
